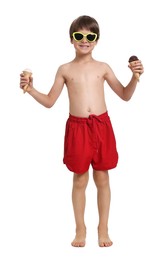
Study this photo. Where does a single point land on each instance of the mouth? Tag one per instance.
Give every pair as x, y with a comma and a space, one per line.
83, 46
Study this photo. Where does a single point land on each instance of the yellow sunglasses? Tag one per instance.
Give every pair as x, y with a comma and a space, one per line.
78, 36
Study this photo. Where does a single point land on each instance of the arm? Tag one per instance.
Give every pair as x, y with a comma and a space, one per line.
49, 99
126, 92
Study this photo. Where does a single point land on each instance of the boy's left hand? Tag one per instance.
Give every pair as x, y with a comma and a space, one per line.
136, 67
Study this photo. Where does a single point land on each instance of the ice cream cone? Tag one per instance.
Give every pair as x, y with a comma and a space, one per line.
27, 73
132, 61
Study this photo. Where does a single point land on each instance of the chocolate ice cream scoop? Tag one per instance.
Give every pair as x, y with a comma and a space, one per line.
131, 60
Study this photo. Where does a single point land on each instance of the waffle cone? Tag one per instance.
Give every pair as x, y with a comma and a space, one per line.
27, 73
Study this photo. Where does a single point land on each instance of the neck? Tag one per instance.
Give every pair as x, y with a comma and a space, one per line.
83, 57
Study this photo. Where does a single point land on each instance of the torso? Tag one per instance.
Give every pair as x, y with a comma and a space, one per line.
85, 84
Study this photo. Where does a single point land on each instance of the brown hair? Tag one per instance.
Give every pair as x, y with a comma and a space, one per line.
84, 22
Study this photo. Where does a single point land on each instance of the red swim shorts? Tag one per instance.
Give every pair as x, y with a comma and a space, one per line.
89, 141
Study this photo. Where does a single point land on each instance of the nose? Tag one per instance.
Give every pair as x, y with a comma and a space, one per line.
84, 39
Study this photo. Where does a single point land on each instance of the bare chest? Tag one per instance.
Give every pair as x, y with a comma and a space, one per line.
83, 76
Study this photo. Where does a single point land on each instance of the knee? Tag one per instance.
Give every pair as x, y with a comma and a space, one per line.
80, 181
101, 178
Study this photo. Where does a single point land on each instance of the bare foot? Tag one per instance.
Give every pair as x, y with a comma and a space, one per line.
79, 240
104, 240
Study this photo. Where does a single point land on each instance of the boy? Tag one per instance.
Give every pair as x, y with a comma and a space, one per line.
89, 136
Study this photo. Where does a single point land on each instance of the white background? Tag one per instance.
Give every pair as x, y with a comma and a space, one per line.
36, 217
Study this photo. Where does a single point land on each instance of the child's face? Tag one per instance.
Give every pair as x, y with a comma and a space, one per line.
84, 41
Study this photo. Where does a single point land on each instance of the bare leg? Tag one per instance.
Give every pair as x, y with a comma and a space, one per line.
80, 182
101, 179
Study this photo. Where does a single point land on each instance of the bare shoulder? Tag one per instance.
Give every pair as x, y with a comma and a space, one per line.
65, 66
62, 70
104, 68
103, 65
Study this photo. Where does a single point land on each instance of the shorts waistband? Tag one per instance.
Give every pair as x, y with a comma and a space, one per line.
100, 118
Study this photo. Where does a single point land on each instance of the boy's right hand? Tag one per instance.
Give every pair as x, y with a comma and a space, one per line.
24, 81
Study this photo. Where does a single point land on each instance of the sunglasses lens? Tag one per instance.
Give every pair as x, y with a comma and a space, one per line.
78, 36
91, 37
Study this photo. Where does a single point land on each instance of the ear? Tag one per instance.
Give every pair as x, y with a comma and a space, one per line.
71, 40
